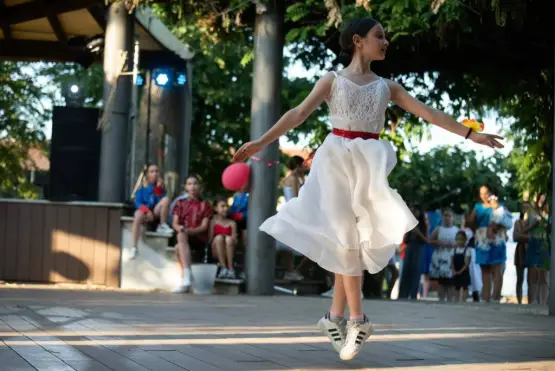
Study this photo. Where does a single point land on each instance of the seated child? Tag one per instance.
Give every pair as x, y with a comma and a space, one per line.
191, 217
223, 237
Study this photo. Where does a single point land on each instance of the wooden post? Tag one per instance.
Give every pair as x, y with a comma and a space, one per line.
265, 111
117, 100
552, 212
184, 130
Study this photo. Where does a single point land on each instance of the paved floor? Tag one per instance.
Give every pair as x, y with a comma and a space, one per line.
85, 331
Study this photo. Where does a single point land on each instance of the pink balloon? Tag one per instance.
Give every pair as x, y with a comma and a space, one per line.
236, 176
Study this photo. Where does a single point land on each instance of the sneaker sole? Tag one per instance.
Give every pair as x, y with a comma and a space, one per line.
322, 327
350, 357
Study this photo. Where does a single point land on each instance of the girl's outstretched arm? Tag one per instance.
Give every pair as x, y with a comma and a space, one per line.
404, 100
291, 119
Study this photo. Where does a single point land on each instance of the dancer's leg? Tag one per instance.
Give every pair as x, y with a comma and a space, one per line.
358, 327
333, 325
339, 299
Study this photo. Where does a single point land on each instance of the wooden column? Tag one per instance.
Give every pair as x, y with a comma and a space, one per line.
265, 111
117, 101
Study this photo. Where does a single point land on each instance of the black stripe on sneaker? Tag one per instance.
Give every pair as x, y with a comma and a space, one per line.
358, 342
362, 333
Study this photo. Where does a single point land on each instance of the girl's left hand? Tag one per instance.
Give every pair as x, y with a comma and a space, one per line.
489, 140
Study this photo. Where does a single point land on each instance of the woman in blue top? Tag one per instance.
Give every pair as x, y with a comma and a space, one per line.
150, 202
491, 251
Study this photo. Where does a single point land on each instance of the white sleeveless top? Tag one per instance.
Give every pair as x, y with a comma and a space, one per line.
447, 233
358, 107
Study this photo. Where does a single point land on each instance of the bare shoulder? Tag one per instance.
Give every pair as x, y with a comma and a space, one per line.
325, 82
328, 77
394, 86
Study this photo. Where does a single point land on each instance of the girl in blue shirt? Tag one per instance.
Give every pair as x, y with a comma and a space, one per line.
151, 203
238, 212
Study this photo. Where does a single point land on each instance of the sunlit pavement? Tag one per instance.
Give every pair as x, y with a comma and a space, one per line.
80, 330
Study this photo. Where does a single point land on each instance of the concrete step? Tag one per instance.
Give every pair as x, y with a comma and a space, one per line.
155, 268
229, 286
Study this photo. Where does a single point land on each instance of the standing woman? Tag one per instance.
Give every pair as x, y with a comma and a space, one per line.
521, 234
537, 255
480, 217
415, 252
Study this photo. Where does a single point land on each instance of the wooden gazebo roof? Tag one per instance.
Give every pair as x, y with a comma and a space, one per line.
59, 31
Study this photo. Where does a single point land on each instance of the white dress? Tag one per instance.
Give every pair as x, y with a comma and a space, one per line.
346, 218
442, 255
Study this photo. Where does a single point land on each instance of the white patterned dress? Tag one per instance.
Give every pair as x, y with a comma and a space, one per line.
346, 218
440, 268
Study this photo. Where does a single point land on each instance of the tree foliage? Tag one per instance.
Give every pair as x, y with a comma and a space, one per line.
22, 120
439, 49
451, 177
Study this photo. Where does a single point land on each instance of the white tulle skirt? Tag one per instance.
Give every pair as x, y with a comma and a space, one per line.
346, 219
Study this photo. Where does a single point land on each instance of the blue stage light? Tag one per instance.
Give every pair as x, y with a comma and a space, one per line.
181, 79
161, 79
140, 80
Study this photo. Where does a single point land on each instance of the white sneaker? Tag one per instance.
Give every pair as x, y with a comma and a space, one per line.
231, 274
336, 332
164, 229
185, 282
223, 274
134, 253
293, 276
181, 289
357, 333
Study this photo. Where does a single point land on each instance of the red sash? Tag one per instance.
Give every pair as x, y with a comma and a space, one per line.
349, 135
355, 134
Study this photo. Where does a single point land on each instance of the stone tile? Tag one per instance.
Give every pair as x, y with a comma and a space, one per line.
156, 331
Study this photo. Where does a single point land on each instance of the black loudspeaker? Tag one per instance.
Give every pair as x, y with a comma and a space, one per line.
74, 154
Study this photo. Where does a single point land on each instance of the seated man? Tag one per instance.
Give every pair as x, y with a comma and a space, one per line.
190, 220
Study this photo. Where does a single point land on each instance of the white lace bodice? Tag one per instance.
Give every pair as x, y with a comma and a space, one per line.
358, 107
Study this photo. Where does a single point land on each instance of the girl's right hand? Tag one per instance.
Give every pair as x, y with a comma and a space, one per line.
247, 150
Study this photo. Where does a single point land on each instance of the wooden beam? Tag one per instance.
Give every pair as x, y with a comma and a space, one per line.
34, 10
47, 51
6, 30
98, 12
57, 28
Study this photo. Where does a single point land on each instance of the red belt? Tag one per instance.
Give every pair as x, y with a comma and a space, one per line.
355, 134
349, 135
